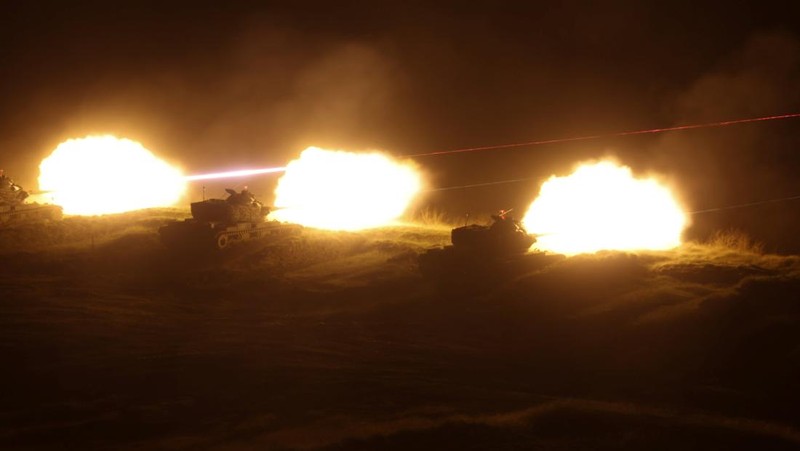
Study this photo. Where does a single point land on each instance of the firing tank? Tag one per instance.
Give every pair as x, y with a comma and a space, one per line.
505, 236
219, 223
14, 209
483, 253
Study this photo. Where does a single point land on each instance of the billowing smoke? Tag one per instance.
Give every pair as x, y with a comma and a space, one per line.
745, 163
284, 89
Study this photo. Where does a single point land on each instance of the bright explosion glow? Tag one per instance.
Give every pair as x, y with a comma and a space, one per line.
601, 206
340, 190
104, 174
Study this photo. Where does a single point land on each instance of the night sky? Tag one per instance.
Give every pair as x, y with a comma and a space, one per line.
212, 86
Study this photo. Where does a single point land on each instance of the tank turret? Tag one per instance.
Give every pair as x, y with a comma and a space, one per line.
237, 208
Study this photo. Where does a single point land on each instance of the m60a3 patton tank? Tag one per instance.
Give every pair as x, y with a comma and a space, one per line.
483, 253
14, 210
218, 223
504, 236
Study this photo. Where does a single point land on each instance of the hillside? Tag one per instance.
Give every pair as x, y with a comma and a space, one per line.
335, 341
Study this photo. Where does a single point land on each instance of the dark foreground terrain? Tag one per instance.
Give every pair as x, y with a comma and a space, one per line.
334, 341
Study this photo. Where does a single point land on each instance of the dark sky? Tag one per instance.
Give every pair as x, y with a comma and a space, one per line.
222, 85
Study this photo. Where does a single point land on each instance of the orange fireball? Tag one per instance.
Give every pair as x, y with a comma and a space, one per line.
104, 174
338, 190
602, 206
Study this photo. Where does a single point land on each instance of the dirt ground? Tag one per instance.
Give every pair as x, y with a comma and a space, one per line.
336, 341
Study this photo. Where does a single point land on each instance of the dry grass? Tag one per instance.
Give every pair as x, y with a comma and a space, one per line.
333, 339
76, 232
729, 249
736, 240
431, 218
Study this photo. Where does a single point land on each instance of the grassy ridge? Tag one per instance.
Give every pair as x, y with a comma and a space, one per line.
334, 340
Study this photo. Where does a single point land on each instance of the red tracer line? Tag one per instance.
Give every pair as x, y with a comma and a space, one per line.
611, 135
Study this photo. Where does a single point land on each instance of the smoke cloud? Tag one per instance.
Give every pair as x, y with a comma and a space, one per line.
735, 165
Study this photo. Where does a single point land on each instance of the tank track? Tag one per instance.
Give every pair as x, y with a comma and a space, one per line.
192, 234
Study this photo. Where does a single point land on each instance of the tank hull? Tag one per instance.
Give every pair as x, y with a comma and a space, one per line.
221, 211
28, 213
484, 240
202, 235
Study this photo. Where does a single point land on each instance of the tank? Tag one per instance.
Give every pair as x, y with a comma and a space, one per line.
219, 223
480, 256
504, 236
14, 209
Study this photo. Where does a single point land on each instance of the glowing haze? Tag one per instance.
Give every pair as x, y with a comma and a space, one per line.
340, 190
602, 206
104, 174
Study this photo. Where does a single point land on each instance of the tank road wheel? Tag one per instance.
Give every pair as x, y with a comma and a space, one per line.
222, 241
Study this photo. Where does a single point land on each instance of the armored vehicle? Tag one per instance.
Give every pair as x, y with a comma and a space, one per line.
218, 223
483, 254
505, 236
14, 209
